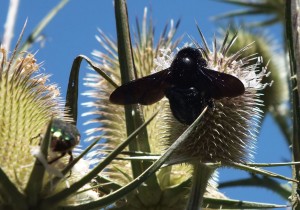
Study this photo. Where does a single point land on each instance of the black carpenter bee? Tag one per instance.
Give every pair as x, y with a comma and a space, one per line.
188, 84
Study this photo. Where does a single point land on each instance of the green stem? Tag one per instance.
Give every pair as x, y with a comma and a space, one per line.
124, 42
133, 115
42, 24
201, 175
216, 203
262, 182
272, 164
261, 171
292, 34
127, 74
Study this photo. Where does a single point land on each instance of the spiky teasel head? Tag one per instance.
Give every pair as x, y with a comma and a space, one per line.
275, 97
27, 105
227, 132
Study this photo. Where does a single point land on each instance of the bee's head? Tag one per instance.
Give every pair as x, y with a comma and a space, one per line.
186, 64
188, 58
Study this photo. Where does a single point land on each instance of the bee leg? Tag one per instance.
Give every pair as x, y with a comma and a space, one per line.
57, 158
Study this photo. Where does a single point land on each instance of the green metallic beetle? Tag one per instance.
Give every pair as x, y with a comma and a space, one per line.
64, 137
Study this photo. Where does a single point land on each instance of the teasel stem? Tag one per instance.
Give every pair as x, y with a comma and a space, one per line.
133, 116
292, 37
201, 175
10, 23
124, 42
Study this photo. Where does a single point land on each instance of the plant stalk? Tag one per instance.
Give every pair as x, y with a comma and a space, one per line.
293, 42
201, 175
133, 114
10, 23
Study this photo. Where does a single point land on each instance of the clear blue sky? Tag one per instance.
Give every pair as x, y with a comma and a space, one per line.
72, 32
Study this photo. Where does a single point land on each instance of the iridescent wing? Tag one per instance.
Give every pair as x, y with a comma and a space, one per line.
222, 85
146, 90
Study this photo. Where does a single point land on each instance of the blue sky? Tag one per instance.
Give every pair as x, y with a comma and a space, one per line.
72, 32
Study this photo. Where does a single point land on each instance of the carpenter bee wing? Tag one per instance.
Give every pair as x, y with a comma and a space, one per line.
222, 85
146, 90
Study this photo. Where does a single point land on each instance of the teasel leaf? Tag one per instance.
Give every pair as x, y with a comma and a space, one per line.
35, 182
283, 190
42, 24
72, 92
9, 194
238, 204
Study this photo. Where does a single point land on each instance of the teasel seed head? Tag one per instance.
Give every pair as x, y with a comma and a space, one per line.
228, 131
27, 105
276, 96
